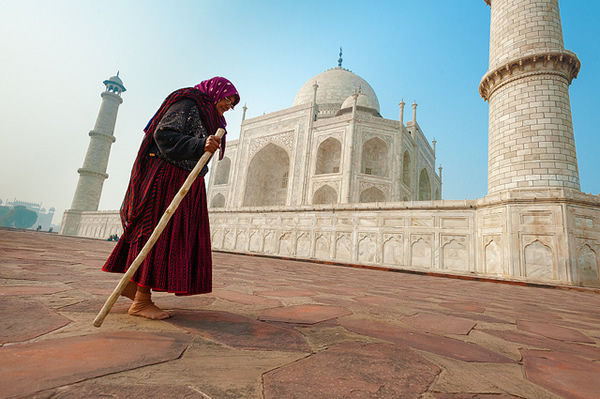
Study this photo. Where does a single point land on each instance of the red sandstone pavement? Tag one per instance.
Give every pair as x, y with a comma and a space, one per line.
278, 329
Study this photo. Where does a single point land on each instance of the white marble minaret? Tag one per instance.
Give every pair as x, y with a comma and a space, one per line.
531, 142
93, 173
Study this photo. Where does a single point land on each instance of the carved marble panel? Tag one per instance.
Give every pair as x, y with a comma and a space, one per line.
584, 222
324, 221
536, 218
587, 263
421, 251
270, 242
539, 260
285, 139
229, 239
343, 246
216, 240
367, 247
322, 245
367, 135
425, 222
393, 222
303, 244
455, 255
492, 221
384, 188
241, 242
493, 255
286, 243
255, 241
393, 249
454, 222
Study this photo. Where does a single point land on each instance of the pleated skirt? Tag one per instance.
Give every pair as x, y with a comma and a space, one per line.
181, 260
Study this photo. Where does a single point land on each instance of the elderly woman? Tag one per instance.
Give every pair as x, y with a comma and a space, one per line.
175, 138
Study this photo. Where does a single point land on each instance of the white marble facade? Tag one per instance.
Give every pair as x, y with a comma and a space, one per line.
331, 147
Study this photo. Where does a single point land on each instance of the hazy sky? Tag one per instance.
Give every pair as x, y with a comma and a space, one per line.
54, 56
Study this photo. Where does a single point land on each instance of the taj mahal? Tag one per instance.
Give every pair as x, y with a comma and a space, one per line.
328, 179
331, 147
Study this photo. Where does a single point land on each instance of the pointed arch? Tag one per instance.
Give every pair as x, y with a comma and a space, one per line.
424, 186
406, 169
218, 201
267, 172
325, 195
329, 155
372, 194
222, 172
375, 157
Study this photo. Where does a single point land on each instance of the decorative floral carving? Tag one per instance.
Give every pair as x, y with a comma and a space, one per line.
285, 139
369, 135
335, 184
385, 188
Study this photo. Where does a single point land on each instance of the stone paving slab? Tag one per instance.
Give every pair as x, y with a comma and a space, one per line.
437, 323
239, 331
272, 323
29, 290
444, 346
565, 374
353, 370
90, 391
33, 367
303, 314
555, 332
24, 319
531, 341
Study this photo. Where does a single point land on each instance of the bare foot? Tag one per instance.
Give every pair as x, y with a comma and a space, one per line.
130, 290
144, 307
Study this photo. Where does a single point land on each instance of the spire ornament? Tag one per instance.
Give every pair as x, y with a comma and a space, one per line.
340, 59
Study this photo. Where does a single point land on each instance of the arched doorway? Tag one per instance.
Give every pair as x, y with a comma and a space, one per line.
267, 177
424, 186
375, 158
222, 172
328, 157
406, 173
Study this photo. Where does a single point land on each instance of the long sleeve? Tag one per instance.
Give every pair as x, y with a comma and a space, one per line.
180, 134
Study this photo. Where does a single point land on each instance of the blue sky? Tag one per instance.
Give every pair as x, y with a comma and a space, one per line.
55, 55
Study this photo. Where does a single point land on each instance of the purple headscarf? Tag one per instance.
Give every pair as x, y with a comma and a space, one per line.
218, 88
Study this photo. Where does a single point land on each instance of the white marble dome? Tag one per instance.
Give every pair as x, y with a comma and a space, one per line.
362, 101
335, 86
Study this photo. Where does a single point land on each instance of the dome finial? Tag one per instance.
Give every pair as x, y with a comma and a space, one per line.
340, 59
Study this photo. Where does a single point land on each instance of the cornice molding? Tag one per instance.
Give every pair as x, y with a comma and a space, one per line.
564, 63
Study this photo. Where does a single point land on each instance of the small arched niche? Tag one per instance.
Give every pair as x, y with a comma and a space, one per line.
325, 195
372, 194
328, 157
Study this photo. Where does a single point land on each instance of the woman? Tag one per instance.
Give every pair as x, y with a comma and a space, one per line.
175, 138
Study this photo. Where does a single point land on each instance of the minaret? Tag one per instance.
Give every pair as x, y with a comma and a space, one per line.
531, 142
93, 173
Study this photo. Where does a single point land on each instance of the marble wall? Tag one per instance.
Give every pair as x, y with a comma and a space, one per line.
545, 236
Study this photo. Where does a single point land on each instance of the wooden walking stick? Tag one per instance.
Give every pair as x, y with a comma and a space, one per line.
155, 234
